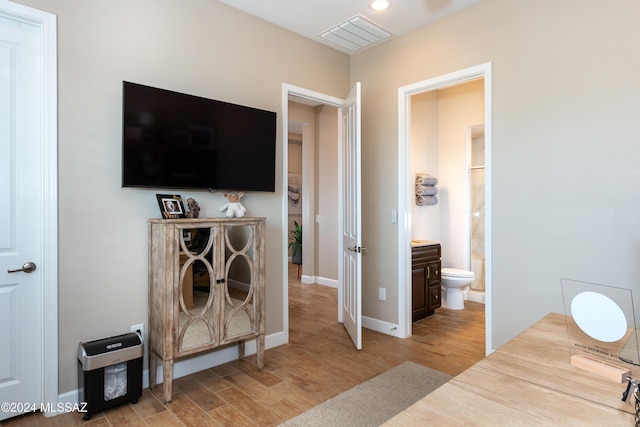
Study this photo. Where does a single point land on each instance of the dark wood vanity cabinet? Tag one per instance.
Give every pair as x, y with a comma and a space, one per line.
425, 280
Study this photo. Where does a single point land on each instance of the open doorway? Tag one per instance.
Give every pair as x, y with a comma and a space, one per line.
405, 187
347, 201
310, 159
312, 182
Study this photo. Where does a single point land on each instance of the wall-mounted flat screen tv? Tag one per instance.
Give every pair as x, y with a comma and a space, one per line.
175, 140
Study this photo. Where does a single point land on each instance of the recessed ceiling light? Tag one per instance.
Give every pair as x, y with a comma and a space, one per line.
379, 4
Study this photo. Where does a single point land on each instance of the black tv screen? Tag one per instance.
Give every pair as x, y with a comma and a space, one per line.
175, 140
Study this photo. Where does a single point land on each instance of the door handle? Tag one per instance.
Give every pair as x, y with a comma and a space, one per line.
28, 267
358, 249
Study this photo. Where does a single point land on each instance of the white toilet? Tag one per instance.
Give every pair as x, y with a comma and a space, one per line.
453, 281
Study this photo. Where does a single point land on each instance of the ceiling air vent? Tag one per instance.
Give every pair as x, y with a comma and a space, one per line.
355, 33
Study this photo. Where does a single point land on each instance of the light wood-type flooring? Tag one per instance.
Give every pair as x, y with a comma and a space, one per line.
318, 363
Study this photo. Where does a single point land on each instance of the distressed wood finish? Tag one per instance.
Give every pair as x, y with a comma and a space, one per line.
231, 311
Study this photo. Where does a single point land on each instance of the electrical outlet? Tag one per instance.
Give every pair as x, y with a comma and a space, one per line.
138, 328
382, 294
394, 216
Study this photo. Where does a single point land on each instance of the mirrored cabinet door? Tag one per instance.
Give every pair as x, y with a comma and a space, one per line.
240, 282
197, 274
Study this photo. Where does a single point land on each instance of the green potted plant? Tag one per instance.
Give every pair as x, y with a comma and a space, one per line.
295, 243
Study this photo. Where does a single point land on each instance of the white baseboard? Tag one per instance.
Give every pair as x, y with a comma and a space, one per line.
317, 280
332, 283
474, 296
308, 280
381, 326
194, 364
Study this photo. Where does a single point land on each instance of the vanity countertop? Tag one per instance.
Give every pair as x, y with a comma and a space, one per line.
417, 243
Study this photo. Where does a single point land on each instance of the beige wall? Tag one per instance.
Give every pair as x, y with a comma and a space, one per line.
327, 195
294, 156
320, 125
195, 46
566, 180
302, 118
459, 106
565, 173
425, 158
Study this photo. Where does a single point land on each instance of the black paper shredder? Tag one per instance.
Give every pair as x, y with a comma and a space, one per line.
110, 372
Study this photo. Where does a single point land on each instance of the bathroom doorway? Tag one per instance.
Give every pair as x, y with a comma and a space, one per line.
460, 187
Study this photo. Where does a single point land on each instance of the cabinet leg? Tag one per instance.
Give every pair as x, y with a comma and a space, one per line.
153, 369
260, 351
167, 385
241, 350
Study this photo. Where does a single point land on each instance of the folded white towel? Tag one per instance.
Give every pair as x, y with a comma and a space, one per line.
426, 200
426, 179
426, 190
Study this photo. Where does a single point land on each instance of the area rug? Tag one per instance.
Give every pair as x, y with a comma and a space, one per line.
375, 401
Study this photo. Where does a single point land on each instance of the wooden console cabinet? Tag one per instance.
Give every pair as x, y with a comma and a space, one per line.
229, 309
425, 280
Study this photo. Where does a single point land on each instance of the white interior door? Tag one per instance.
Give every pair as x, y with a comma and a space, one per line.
350, 300
22, 217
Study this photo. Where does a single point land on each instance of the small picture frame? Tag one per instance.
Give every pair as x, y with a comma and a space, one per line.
170, 205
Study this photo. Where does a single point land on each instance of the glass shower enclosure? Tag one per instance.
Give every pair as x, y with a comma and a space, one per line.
477, 204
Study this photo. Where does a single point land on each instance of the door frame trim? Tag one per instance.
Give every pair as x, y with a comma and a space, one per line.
50, 237
405, 190
47, 23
